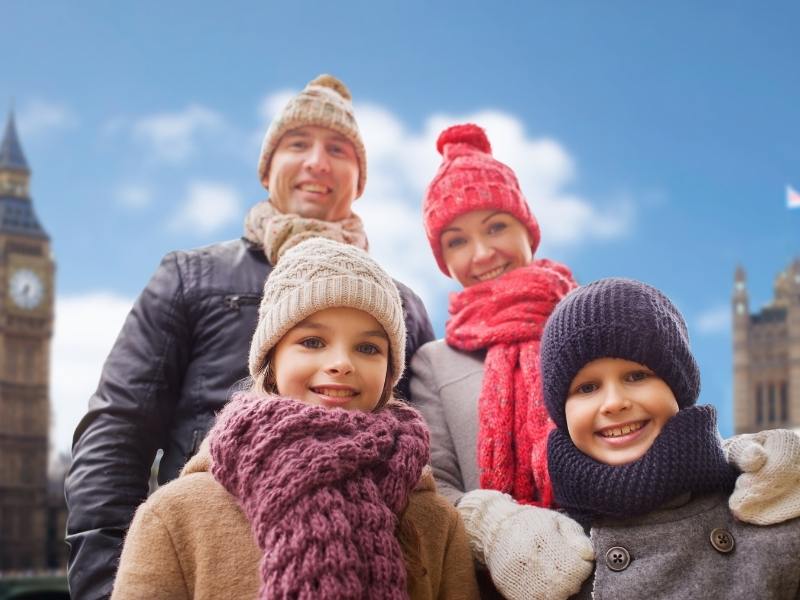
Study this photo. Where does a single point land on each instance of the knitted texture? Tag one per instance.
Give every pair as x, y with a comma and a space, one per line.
616, 318
324, 102
506, 317
531, 552
318, 274
768, 491
685, 457
468, 179
276, 232
323, 490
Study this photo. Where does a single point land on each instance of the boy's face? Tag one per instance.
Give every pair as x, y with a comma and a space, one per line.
616, 408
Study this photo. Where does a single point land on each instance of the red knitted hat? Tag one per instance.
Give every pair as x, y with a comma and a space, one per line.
468, 179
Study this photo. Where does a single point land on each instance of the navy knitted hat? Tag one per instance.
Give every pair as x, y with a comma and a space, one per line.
616, 318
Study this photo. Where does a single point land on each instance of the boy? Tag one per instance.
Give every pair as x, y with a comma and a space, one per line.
633, 459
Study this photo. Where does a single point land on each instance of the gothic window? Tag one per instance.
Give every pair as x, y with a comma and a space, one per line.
784, 402
759, 405
771, 402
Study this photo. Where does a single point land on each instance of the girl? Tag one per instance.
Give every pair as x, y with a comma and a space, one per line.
313, 484
635, 459
479, 388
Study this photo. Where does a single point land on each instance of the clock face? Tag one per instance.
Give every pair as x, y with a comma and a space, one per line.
26, 289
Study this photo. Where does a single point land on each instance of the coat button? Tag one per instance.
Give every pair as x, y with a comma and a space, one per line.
722, 540
618, 558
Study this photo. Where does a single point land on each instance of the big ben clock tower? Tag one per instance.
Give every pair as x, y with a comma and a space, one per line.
26, 325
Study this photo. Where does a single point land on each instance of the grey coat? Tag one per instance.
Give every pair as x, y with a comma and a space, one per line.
672, 556
445, 385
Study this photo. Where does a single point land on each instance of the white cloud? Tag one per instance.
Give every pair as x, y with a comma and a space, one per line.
135, 196
402, 163
86, 326
208, 206
38, 116
273, 104
174, 136
715, 320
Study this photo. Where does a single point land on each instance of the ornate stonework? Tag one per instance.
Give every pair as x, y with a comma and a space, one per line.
766, 355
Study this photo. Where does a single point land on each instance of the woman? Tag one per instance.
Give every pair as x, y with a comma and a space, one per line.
479, 388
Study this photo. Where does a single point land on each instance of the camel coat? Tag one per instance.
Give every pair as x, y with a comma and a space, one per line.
190, 539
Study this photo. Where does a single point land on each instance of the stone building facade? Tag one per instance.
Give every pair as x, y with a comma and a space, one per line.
766, 355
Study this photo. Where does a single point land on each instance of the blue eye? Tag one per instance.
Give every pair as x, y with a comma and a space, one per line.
312, 343
638, 376
586, 388
496, 227
367, 348
455, 242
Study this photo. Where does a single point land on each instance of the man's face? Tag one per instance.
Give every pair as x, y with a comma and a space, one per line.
313, 173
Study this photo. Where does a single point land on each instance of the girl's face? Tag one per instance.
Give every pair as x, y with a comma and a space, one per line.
616, 408
483, 244
336, 358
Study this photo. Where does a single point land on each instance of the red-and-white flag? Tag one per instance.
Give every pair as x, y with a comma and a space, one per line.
792, 197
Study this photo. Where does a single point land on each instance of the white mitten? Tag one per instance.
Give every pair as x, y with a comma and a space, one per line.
530, 552
768, 490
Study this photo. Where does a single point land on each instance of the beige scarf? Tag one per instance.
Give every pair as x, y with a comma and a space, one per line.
276, 232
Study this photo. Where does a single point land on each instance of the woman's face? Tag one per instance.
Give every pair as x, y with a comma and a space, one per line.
336, 358
483, 244
616, 408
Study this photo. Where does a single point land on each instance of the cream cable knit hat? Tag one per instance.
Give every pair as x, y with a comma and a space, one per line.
318, 274
325, 102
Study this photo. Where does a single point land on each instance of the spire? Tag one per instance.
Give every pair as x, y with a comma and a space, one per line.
11, 155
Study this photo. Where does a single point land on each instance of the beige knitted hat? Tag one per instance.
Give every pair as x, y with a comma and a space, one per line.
325, 102
318, 274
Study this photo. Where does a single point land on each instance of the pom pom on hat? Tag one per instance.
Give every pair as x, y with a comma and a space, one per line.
469, 134
330, 81
470, 179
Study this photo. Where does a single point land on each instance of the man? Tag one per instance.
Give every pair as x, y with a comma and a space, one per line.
184, 344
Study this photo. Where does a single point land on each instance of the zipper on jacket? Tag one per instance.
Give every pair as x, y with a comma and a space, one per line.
235, 302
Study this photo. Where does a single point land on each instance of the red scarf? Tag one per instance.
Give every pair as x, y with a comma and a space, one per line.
506, 316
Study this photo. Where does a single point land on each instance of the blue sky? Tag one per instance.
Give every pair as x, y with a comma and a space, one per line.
652, 142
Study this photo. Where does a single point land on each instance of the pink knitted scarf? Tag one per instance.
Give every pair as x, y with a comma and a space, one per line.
506, 317
323, 490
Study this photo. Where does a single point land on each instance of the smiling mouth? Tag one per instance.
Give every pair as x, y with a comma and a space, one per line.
616, 432
334, 392
314, 188
492, 274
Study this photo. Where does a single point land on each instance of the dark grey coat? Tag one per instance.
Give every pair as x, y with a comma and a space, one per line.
182, 348
672, 556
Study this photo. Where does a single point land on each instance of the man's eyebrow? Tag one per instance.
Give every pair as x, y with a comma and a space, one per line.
297, 133
338, 137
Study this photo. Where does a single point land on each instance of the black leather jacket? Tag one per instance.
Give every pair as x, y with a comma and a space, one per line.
182, 348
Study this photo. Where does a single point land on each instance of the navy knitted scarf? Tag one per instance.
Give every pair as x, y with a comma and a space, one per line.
685, 457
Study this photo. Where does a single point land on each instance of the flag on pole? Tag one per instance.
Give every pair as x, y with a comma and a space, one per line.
792, 197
